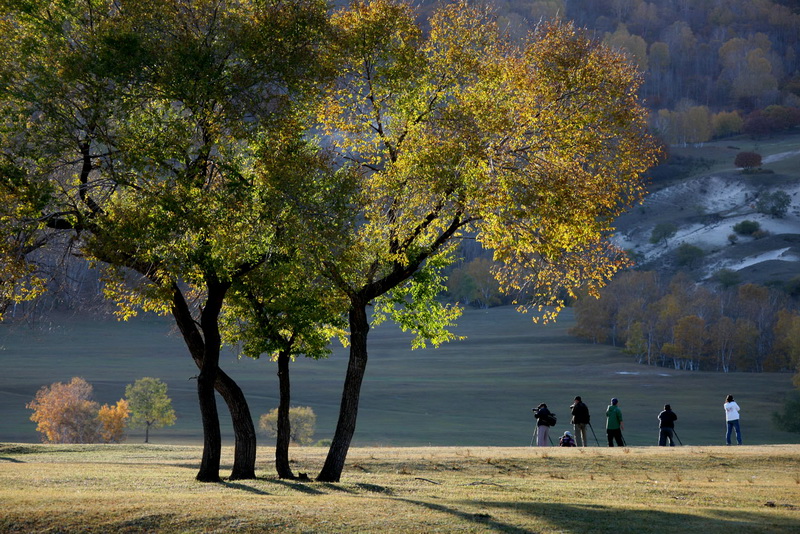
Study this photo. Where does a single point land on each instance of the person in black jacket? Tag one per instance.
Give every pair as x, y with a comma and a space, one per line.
666, 426
543, 423
580, 418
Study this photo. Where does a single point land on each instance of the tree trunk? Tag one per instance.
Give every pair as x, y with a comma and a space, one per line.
244, 456
147, 432
206, 382
244, 431
348, 411
212, 438
284, 425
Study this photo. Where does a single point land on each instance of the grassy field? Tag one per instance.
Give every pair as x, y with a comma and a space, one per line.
477, 392
138, 488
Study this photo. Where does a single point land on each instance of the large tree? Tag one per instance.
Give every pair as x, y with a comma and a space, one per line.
531, 149
143, 120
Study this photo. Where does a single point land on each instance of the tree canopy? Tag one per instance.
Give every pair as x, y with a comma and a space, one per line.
149, 405
457, 132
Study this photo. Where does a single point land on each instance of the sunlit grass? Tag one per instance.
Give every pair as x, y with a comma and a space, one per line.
426, 489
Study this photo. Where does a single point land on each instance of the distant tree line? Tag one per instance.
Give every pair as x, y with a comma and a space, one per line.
683, 325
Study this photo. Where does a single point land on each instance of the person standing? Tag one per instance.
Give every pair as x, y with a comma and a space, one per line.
732, 418
544, 420
614, 424
666, 426
580, 418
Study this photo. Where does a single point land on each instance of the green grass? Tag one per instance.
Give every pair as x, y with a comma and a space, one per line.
477, 392
137, 488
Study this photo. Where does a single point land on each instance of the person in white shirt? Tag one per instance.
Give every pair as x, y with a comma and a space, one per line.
732, 418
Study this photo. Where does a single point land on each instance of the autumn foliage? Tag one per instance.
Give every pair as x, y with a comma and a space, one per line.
677, 323
747, 160
66, 413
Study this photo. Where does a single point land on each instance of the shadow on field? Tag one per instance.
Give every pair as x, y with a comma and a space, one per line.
484, 519
244, 487
12, 460
302, 488
596, 518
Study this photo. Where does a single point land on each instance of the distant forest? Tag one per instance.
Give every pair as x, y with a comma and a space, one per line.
711, 68
673, 322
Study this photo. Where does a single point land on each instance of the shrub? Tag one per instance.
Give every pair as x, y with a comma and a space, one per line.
688, 255
758, 234
746, 227
727, 278
788, 419
301, 418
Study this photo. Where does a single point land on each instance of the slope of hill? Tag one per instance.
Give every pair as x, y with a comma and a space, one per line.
705, 209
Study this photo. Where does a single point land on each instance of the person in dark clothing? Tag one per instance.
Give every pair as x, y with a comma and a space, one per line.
543, 423
666, 426
580, 418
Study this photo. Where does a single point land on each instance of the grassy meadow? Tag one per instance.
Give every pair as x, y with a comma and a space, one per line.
140, 488
475, 392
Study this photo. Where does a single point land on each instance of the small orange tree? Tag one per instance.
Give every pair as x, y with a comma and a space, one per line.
114, 419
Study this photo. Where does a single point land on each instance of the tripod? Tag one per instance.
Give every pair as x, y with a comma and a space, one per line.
595, 435
536, 433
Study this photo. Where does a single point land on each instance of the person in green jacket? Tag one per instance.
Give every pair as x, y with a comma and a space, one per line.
614, 424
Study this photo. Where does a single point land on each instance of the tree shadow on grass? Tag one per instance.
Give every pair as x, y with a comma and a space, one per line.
11, 460
613, 519
479, 518
297, 486
244, 487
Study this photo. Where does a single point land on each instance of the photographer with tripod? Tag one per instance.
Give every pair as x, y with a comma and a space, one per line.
544, 420
580, 418
666, 426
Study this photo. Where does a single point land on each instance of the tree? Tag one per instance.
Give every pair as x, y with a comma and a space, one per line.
66, 413
726, 123
287, 309
113, 420
747, 160
149, 405
774, 203
689, 342
487, 290
141, 121
788, 418
662, 232
303, 422
533, 149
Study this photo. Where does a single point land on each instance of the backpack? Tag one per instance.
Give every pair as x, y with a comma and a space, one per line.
548, 419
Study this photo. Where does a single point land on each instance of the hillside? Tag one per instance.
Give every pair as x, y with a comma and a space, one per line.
705, 208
